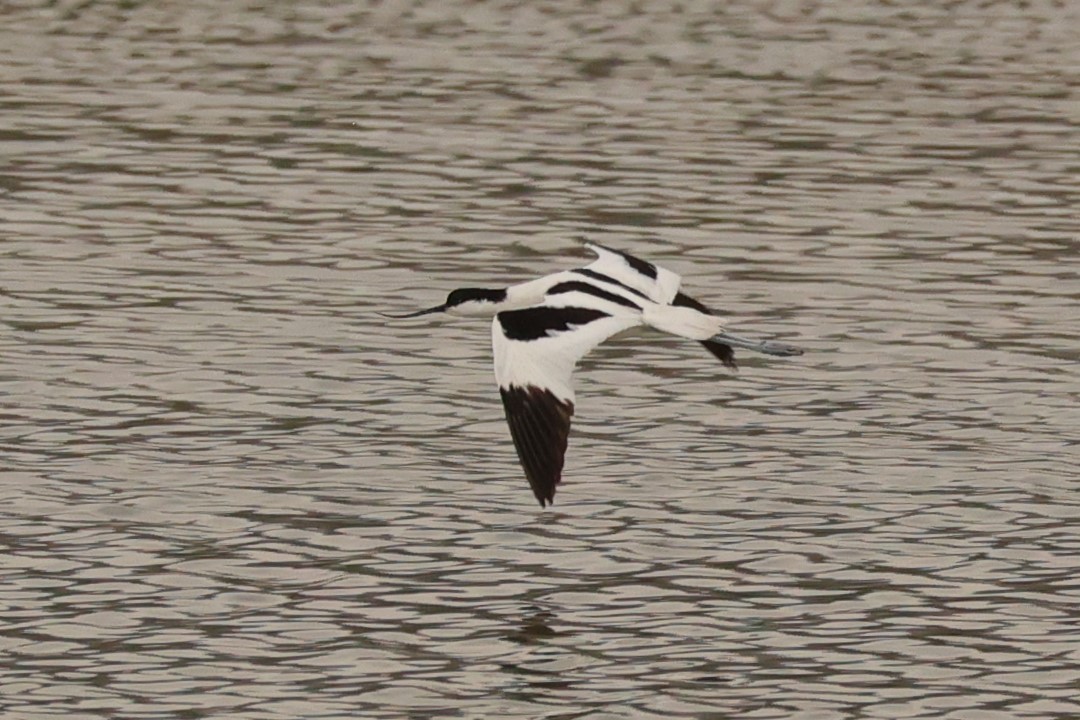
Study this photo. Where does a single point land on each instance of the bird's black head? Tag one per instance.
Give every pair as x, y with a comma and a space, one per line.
465, 301
478, 296
474, 301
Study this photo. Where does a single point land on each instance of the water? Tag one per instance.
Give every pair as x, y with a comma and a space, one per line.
230, 489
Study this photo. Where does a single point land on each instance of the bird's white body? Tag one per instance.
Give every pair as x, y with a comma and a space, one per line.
610, 285
543, 327
619, 277
549, 361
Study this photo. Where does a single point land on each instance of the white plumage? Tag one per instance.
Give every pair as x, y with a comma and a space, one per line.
632, 272
543, 327
548, 362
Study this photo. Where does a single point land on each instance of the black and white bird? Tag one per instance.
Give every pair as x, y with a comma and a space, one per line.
543, 327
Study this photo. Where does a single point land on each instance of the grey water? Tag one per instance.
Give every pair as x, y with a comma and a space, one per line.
230, 489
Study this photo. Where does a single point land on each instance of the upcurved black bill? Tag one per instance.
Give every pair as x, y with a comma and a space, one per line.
437, 308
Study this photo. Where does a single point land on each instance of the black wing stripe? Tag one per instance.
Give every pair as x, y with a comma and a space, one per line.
589, 289
542, 321
539, 424
684, 300
640, 266
608, 279
645, 268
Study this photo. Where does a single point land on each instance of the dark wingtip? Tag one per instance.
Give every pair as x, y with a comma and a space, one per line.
723, 353
539, 425
547, 498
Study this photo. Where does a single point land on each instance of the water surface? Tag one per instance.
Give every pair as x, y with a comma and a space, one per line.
230, 489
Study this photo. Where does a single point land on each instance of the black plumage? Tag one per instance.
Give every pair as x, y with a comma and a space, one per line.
539, 425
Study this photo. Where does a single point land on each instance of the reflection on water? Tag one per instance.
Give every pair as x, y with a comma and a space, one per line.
232, 490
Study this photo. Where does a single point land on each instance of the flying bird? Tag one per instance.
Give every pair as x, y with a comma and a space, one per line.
541, 329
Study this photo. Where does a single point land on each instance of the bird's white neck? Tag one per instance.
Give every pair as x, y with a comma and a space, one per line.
526, 294
517, 296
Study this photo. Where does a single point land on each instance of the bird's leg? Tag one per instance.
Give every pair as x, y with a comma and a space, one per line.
767, 347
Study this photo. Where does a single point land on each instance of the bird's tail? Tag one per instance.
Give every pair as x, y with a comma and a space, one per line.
682, 321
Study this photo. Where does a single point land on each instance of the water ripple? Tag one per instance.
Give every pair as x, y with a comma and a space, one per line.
233, 489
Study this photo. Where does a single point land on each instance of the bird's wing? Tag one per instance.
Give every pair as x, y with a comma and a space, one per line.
721, 351
654, 282
536, 350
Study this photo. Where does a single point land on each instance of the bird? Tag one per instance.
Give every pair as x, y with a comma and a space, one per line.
543, 327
